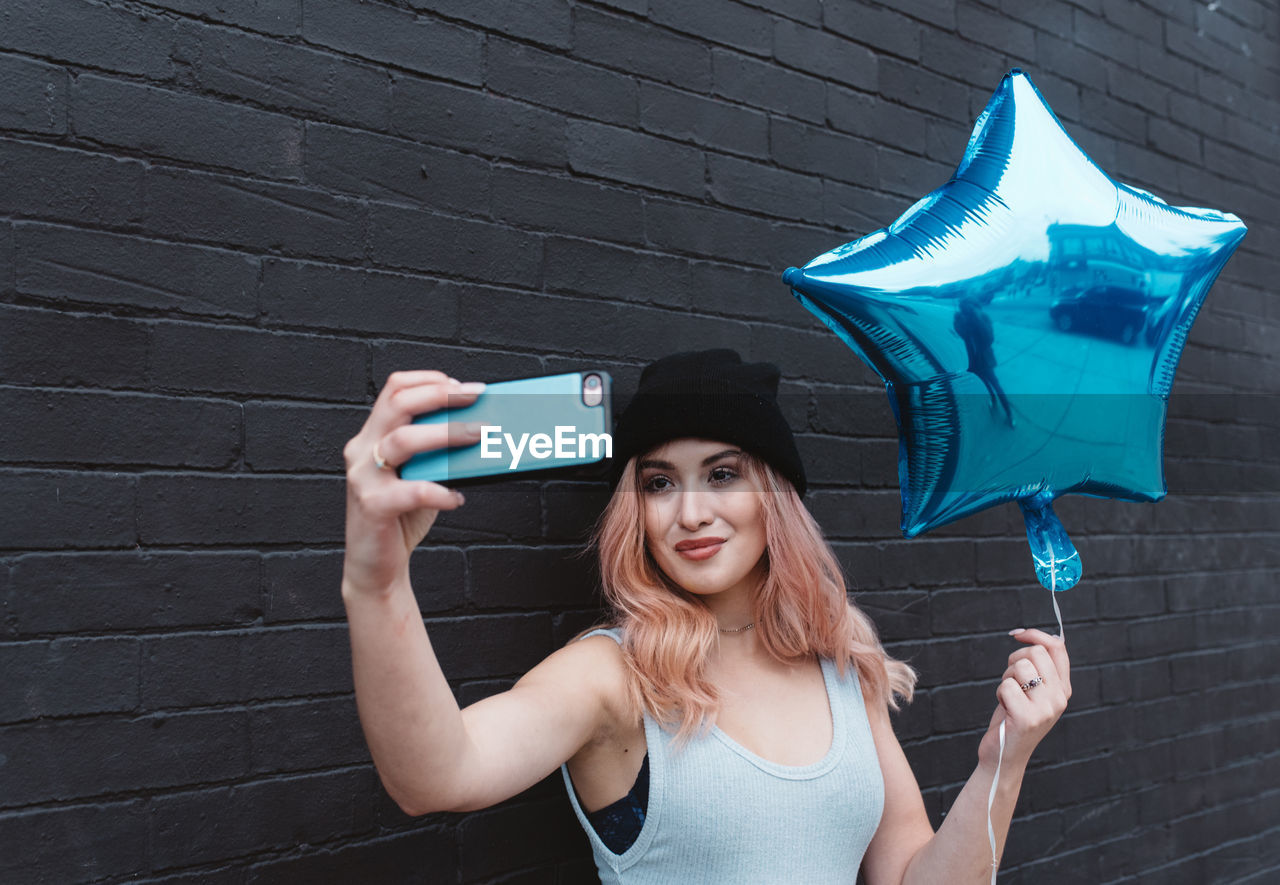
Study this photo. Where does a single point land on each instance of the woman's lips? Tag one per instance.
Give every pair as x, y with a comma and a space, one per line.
698, 550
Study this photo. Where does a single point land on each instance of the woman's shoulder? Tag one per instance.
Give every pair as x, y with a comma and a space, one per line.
601, 645
601, 651
588, 677
599, 655
613, 633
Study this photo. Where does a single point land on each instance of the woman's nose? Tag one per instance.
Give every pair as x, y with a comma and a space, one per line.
695, 509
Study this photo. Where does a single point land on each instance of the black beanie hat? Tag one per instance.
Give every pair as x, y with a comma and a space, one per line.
710, 394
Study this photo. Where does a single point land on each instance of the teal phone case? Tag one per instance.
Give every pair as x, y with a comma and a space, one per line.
520, 410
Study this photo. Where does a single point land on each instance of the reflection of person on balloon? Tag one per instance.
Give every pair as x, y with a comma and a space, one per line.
731, 721
974, 328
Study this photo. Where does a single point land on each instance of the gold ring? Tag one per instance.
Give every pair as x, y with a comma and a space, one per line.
378, 460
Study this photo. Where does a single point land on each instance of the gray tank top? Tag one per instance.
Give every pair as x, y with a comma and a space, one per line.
719, 813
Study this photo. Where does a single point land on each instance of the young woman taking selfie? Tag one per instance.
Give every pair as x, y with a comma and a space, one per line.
731, 721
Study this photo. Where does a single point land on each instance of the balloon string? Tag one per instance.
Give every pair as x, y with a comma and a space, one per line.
991, 833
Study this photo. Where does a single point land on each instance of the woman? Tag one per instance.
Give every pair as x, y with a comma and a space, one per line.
733, 724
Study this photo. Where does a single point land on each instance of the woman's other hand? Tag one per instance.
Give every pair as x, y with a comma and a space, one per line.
387, 517
1028, 715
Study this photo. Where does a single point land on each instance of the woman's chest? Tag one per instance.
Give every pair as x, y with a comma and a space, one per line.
782, 715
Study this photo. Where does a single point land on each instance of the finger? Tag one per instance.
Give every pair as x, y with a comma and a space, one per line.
1045, 664
1041, 660
1011, 696
404, 442
1056, 647
1032, 664
418, 400
395, 499
1023, 670
1019, 655
400, 401
402, 405
398, 380
1048, 691
380, 416
1034, 634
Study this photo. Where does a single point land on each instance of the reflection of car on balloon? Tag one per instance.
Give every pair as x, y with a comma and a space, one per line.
1082, 256
1103, 311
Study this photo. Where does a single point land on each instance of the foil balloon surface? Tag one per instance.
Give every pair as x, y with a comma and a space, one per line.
1027, 318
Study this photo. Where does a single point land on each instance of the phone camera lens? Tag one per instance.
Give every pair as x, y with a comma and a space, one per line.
592, 390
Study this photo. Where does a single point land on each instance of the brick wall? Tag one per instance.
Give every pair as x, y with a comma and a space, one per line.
223, 224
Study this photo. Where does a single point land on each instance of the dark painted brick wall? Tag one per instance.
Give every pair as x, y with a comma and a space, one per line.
223, 224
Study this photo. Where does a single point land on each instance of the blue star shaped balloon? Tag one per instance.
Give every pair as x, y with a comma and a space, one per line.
1027, 318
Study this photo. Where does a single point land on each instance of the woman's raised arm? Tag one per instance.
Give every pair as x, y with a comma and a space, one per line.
431, 755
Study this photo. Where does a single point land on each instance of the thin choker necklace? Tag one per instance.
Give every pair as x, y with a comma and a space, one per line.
739, 630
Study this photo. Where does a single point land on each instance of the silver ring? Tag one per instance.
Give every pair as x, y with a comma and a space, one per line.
1027, 686
378, 460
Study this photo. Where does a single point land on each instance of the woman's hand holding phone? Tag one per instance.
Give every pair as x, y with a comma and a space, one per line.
387, 517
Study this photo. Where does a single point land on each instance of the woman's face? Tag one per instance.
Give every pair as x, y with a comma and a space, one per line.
704, 521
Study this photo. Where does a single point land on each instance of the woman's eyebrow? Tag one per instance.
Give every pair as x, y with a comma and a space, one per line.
706, 462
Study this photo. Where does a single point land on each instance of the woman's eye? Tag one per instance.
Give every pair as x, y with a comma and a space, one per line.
723, 475
656, 483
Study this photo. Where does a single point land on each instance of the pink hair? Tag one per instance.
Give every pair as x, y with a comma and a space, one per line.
801, 608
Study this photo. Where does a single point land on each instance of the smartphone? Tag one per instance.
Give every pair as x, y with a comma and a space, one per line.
528, 425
